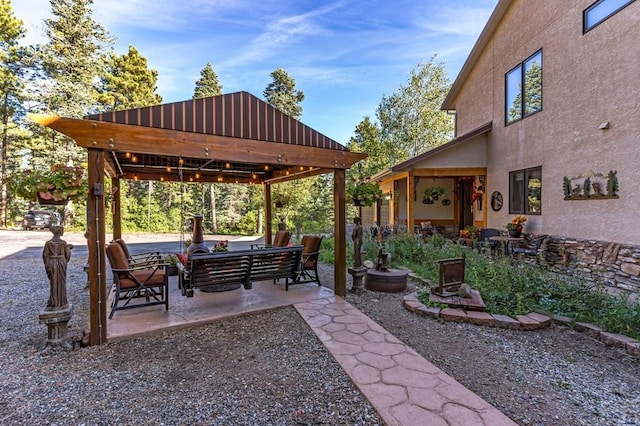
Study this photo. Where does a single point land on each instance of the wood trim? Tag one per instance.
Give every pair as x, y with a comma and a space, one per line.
147, 140
340, 226
451, 172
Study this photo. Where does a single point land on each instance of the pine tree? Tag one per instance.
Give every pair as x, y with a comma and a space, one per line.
74, 57
128, 83
208, 84
12, 69
281, 93
72, 60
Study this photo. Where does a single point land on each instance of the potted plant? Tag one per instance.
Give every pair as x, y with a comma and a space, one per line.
172, 264
516, 225
56, 186
432, 193
469, 234
365, 193
221, 247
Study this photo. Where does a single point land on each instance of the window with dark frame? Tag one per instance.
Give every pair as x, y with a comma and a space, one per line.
525, 191
600, 11
523, 89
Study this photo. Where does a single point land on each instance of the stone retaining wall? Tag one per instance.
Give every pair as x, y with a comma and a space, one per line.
614, 266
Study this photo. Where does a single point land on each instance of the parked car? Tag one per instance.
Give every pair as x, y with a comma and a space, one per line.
39, 219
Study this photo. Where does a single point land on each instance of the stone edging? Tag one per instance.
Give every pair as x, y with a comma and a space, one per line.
531, 321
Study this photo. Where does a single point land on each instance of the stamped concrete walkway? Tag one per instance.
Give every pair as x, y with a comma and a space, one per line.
404, 388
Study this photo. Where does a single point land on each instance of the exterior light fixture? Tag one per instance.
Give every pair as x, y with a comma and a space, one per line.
127, 155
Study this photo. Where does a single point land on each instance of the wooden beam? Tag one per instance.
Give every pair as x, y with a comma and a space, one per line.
339, 231
283, 177
451, 172
96, 248
149, 140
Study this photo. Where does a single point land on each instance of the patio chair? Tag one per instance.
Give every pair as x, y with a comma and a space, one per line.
484, 242
145, 280
529, 247
309, 262
281, 239
136, 259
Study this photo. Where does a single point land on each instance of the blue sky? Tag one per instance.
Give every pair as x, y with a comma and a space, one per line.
344, 55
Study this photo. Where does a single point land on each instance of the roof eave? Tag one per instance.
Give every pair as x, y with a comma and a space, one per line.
478, 48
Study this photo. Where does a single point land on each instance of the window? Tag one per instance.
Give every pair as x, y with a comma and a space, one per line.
525, 191
523, 89
602, 10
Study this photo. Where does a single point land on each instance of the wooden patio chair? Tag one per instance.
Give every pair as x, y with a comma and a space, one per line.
134, 281
136, 259
309, 262
281, 239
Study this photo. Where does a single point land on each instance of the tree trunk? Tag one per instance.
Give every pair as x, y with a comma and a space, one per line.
3, 161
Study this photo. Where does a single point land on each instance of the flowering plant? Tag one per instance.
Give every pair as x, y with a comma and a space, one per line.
517, 222
470, 231
59, 183
222, 246
365, 192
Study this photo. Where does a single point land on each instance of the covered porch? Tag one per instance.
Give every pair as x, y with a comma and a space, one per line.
442, 188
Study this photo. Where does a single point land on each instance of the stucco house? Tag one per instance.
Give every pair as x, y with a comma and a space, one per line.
547, 109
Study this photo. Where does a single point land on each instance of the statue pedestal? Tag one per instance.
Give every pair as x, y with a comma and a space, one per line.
58, 326
358, 274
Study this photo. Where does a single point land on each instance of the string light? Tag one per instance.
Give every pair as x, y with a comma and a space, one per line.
227, 165
197, 175
161, 178
181, 161
254, 176
127, 155
266, 167
169, 168
134, 159
135, 177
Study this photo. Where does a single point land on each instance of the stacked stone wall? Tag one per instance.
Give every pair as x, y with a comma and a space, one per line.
616, 267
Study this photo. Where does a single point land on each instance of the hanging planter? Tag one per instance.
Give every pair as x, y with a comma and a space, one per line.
365, 193
432, 193
56, 186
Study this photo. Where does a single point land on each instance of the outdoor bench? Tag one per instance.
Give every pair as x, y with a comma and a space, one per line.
222, 271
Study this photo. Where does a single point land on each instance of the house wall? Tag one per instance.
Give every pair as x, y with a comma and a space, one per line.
588, 79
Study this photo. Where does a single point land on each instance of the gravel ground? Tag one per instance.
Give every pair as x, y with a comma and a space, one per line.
270, 369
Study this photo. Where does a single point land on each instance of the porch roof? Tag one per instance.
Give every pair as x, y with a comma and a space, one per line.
412, 162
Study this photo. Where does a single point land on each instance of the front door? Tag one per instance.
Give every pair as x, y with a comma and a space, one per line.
465, 191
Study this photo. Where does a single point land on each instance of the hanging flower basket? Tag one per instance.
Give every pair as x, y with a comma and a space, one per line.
364, 193
56, 186
45, 199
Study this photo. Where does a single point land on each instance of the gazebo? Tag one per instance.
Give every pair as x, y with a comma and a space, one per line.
231, 138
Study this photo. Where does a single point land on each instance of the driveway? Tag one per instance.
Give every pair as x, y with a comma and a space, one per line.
18, 244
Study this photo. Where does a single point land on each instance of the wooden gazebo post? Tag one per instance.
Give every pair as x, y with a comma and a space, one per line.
340, 230
268, 220
115, 208
96, 248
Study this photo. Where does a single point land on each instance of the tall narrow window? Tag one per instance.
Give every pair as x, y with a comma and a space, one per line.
601, 10
523, 89
525, 191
